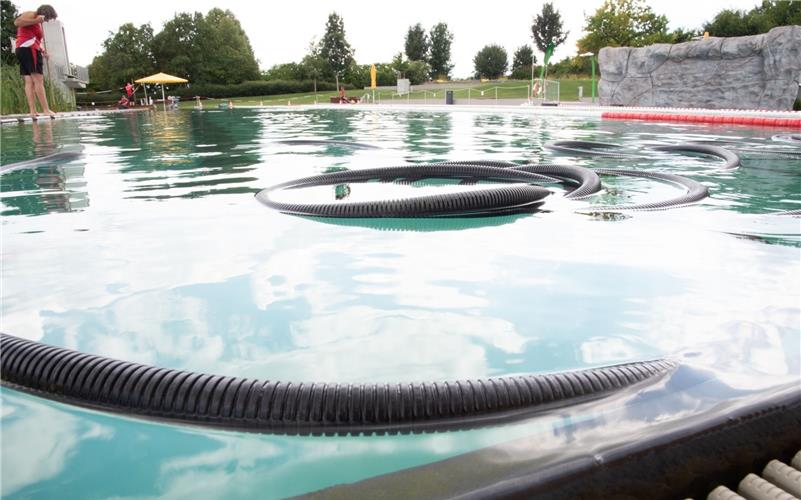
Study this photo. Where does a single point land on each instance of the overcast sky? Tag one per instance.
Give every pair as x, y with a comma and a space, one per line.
280, 31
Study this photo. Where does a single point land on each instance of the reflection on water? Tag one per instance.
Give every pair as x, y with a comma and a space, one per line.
175, 263
48, 187
428, 134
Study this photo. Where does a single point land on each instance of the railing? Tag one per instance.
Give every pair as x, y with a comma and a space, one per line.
498, 92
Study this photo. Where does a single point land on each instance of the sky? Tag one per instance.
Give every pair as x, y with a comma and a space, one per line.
281, 31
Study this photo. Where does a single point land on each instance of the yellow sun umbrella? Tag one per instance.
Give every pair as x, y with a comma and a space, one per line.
161, 78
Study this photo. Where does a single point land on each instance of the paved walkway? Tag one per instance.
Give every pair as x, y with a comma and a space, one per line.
25, 118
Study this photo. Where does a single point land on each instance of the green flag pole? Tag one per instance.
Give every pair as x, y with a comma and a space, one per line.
548, 54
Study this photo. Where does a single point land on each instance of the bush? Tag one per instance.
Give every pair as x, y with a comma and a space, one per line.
524, 73
575, 66
797, 105
358, 75
250, 89
12, 93
417, 72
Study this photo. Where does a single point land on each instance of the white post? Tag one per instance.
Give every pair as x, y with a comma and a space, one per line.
163, 99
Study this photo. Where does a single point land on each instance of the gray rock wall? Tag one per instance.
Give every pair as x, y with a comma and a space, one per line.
747, 72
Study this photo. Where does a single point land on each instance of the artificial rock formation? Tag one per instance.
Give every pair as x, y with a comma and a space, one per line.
747, 72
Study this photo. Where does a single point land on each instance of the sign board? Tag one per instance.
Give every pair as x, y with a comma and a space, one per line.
403, 86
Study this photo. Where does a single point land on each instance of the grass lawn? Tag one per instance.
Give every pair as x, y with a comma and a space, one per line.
508, 89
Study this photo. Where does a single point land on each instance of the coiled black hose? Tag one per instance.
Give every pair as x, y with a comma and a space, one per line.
493, 200
589, 148
791, 138
695, 191
299, 407
588, 180
732, 159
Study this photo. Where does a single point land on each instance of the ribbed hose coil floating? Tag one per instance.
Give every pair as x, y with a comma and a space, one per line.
300, 407
490, 201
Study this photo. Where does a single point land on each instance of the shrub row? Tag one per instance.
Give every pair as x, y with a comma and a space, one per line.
244, 89
250, 89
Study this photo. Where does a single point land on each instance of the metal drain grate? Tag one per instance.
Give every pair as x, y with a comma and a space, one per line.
778, 482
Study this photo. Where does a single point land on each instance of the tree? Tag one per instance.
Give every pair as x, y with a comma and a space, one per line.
440, 57
416, 43
334, 48
524, 57
177, 47
227, 56
760, 19
681, 35
127, 55
204, 49
313, 65
7, 31
491, 62
399, 64
547, 28
417, 72
623, 23
522, 62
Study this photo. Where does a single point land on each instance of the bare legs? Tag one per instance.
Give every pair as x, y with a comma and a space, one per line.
34, 89
30, 94
38, 80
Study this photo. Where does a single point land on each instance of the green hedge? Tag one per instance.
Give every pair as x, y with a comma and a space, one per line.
244, 89
250, 89
12, 93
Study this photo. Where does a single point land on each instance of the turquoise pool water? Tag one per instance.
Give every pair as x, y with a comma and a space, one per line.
150, 247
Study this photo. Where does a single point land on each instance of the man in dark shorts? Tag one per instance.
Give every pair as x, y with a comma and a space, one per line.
30, 54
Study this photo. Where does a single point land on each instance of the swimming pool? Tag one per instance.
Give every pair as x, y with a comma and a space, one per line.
151, 247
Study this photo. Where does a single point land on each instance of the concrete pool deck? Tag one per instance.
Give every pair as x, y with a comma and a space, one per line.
26, 118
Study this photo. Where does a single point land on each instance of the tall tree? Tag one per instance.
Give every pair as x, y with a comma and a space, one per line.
491, 61
623, 23
523, 58
547, 28
313, 65
8, 12
440, 58
417, 44
176, 47
127, 55
334, 48
761, 19
227, 54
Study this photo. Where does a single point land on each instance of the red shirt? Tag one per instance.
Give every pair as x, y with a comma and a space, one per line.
25, 33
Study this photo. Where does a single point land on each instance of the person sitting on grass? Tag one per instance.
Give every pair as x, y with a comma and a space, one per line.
123, 103
30, 54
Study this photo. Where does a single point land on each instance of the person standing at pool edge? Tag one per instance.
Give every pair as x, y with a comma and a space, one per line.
29, 52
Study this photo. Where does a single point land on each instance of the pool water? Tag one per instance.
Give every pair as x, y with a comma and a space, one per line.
151, 247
